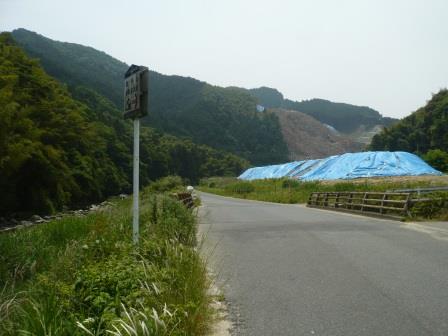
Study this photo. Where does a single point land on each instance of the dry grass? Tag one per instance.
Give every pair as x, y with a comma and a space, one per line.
426, 180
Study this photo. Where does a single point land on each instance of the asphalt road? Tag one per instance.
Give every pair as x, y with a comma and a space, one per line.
290, 270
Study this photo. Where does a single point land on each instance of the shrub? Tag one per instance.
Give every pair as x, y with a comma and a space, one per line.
435, 207
165, 184
438, 159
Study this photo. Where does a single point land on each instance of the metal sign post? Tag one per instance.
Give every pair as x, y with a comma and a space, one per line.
135, 181
135, 107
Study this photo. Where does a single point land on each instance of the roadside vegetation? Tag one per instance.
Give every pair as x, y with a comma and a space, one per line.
424, 132
83, 276
293, 191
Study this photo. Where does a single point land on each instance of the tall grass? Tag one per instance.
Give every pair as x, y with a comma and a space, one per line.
82, 275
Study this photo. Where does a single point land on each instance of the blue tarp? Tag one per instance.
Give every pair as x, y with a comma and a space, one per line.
346, 166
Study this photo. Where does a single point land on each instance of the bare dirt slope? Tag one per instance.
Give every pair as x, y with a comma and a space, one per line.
308, 138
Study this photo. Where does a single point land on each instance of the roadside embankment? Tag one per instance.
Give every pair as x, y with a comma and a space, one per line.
81, 275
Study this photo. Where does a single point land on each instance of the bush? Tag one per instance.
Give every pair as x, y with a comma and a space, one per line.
165, 184
101, 287
435, 207
438, 159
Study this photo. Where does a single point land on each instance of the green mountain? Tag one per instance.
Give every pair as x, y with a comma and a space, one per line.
343, 117
64, 62
424, 130
60, 148
224, 118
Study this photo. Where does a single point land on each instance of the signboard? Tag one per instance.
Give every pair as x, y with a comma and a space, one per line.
132, 93
135, 107
136, 92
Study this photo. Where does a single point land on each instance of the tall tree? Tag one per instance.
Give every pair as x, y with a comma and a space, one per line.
424, 130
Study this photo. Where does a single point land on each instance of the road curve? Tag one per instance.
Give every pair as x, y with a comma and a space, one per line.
290, 270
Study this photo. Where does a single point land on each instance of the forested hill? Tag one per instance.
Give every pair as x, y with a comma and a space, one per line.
60, 148
345, 118
75, 64
422, 131
224, 118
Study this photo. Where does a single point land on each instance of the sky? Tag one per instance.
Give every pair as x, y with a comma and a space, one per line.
390, 55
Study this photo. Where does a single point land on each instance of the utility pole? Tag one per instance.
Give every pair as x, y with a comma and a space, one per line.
136, 107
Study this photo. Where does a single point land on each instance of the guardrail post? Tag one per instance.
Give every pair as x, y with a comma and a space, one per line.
407, 205
382, 203
363, 201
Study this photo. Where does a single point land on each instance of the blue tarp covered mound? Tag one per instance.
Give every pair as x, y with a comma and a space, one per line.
346, 166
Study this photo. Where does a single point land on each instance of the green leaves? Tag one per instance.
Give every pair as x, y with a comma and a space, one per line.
83, 275
55, 150
437, 159
45, 139
223, 118
423, 131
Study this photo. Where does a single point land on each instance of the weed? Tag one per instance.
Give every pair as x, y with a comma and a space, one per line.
82, 275
434, 207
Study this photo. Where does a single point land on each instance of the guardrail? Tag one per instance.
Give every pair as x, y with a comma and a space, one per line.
186, 198
387, 204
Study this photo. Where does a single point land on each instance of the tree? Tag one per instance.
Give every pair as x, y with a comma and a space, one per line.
56, 150
438, 159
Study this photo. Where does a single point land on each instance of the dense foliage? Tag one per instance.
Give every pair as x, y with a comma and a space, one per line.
57, 151
268, 97
50, 154
224, 118
161, 154
64, 62
83, 276
437, 159
422, 131
345, 118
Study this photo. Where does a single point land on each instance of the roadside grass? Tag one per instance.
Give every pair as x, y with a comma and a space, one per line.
291, 191
434, 208
83, 276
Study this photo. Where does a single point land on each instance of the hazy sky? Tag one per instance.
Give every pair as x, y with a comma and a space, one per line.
386, 54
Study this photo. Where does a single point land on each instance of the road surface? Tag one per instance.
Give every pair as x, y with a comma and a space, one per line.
290, 270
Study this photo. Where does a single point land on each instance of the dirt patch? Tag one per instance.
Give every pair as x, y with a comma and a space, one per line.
222, 325
308, 138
